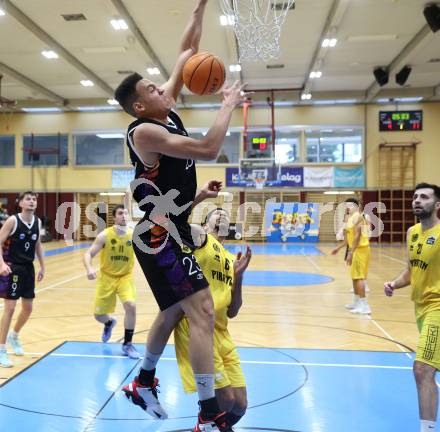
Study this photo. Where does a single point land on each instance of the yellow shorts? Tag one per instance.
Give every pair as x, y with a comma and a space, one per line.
227, 366
107, 287
359, 265
428, 348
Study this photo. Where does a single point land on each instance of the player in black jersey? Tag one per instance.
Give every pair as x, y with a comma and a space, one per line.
165, 188
19, 243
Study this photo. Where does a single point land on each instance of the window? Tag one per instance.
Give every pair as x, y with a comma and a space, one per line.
287, 146
52, 150
99, 149
230, 151
334, 145
7, 150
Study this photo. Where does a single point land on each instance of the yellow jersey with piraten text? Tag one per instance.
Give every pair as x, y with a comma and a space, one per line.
117, 257
350, 228
424, 259
217, 265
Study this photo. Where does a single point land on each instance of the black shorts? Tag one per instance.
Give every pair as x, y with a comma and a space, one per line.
20, 283
173, 273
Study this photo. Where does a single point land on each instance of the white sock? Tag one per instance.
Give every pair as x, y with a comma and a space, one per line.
363, 301
14, 334
355, 298
2, 347
205, 386
150, 360
427, 426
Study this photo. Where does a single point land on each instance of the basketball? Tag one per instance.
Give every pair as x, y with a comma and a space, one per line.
204, 73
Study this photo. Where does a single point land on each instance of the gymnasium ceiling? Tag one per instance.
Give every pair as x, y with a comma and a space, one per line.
369, 33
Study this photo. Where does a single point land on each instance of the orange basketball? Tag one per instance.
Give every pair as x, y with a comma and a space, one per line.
204, 73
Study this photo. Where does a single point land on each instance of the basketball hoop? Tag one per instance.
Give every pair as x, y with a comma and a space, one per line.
257, 26
259, 182
260, 177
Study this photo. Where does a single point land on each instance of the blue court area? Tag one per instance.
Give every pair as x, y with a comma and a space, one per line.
58, 251
276, 249
76, 388
280, 278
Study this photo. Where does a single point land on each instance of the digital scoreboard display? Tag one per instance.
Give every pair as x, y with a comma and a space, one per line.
259, 141
400, 120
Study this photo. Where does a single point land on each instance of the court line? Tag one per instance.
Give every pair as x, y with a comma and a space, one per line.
390, 337
54, 285
394, 259
310, 260
335, 365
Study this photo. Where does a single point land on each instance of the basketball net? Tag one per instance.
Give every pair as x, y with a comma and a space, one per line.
260, 177
259, 182
257, 26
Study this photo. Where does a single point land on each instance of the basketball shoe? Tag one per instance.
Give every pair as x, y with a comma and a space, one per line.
107, 331
216, 424
146, 398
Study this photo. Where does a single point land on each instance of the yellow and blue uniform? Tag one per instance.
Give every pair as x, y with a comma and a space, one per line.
424, 261
116, 275
361, 255
218, 267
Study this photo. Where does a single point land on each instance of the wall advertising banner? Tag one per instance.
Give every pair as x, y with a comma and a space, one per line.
350, 177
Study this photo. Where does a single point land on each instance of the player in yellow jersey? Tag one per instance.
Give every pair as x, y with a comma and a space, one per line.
115, 278
423, 273
356, 234
224, 272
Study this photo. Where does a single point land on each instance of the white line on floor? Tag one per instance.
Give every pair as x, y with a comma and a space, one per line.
335, 365
390, 337
394, 259
310, 261
38, 291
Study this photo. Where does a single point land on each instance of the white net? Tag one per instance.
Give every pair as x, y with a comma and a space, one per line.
259, 176
257, 26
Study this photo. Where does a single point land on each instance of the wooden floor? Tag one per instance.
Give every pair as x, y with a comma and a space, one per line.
290, 317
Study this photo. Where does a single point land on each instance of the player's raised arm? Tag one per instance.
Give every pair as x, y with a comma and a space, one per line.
188, 46
150, 138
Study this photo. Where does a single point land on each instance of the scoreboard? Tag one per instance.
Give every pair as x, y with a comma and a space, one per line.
259, 144
400, 120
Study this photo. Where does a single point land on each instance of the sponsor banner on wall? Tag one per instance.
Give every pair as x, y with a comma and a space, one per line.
290, 176
318, 177
291, 222
121, 178
350, 177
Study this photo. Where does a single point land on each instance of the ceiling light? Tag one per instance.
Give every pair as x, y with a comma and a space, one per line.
110, 135
2, 12
315, 74
92, 108
382, 100
153, 71
345, 101
329, 42
409, 99
42, 110
306, 96
119, 24
50, 54
87, 83
227, 20
234, 68
112, 102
